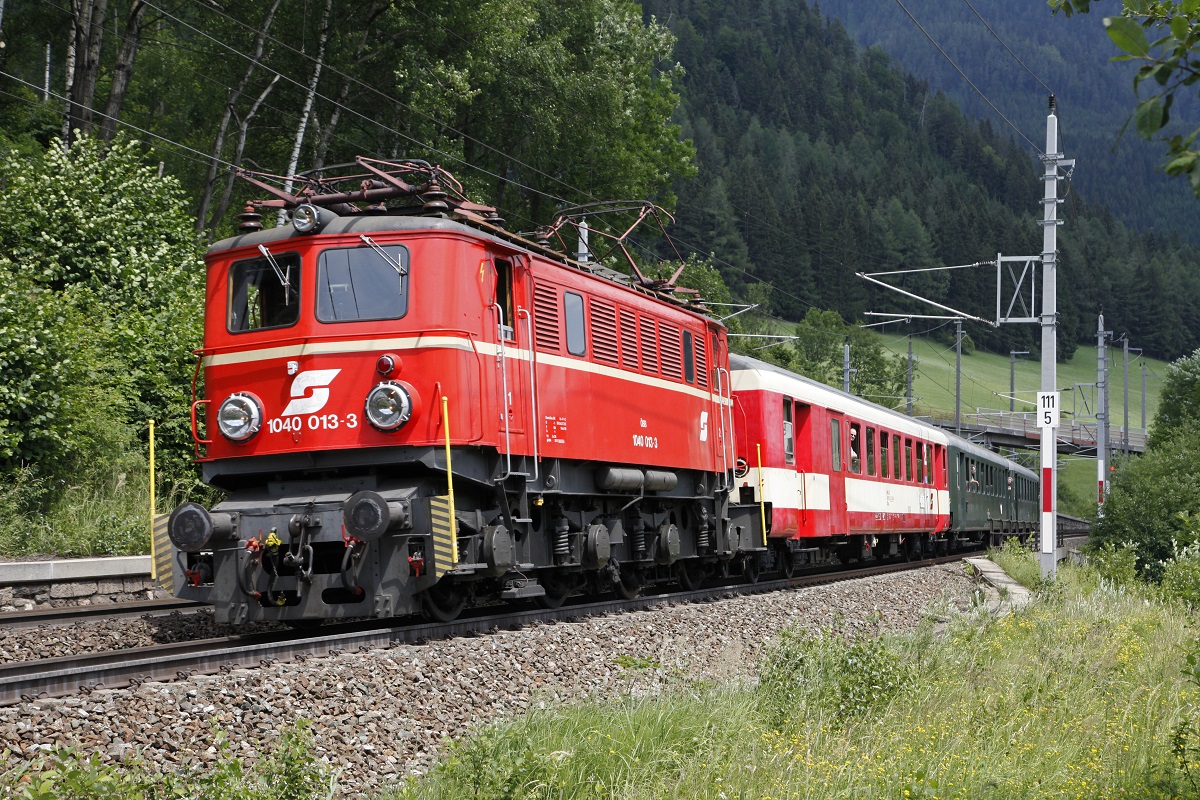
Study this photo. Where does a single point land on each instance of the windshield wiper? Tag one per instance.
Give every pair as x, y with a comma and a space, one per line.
284, 274
400, 270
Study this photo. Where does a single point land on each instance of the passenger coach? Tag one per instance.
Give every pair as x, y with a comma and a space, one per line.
841, 476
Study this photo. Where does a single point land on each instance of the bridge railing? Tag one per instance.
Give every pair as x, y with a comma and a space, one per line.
1081, 434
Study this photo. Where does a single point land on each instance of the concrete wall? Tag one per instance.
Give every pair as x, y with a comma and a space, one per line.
26, 585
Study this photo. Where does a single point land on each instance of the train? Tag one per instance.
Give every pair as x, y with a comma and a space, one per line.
410, 409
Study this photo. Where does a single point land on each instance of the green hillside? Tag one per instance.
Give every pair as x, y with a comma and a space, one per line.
985, 386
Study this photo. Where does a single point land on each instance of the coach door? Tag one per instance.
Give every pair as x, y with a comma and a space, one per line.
838, 463
801, 414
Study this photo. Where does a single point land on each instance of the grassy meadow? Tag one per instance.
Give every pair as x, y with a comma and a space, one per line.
1082, 694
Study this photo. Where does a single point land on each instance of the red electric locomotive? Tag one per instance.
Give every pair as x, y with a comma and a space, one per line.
410, 407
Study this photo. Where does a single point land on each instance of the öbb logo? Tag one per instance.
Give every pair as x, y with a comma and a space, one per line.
318, 381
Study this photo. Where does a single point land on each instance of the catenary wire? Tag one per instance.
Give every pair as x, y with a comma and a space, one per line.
970, 83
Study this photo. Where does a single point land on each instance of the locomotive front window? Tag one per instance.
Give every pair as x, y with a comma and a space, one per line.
362, 283
264, 292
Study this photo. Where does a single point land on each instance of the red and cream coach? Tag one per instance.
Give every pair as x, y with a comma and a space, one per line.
841, 476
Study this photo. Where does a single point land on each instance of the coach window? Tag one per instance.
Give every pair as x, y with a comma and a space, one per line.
897, 457
789, 439
855, 465
883, 454
573, 310
361, 283
264, 292
908, 465
870, 451
835, 440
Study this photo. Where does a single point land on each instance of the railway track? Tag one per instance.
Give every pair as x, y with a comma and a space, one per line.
62, 677
13, 620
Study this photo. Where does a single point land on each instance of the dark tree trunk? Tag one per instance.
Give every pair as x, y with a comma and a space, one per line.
123, 69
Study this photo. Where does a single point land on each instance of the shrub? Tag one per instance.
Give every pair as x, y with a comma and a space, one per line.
1117, 565
1148, 496
1181, 575
826, 674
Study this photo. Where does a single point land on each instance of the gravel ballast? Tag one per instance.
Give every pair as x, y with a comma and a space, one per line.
382, 714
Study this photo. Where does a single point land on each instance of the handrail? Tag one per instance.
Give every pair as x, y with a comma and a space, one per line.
533, 393
502, 363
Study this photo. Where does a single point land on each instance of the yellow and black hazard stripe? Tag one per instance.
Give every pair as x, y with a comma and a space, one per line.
163, 555
443, 548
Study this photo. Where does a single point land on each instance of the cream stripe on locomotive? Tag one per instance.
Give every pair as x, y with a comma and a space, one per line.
452, 343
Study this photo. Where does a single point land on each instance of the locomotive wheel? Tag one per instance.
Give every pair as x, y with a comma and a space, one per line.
750, 568
914, 548
557, 588
442, 603
787, 563
629, 585
690, 575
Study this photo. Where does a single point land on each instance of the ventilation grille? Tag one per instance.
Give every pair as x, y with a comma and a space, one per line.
629, 356
672, 352
649, 346
604, 332
701, 363
545, 309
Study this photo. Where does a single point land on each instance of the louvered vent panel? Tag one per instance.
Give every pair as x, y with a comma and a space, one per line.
649, 346
629, 356
604, 332
672, 352
701, 363
545, 309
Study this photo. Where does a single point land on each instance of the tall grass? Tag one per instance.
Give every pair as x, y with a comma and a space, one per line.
104, 511
1080, 695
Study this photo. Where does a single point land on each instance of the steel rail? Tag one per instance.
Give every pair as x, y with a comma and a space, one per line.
13, 620
61, 677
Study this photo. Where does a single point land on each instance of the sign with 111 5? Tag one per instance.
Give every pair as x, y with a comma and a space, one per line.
1047, 409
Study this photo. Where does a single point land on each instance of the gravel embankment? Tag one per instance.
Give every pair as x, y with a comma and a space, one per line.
383, 714
103, 635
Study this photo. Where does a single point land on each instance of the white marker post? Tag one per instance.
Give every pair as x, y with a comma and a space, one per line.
1047, 420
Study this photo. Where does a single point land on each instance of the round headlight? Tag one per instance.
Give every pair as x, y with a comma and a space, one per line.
389, 406
239, 417
306, 218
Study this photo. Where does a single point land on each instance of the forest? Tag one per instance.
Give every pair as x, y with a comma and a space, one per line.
791, 158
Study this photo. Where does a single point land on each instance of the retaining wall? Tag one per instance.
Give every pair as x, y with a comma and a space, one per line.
25, 585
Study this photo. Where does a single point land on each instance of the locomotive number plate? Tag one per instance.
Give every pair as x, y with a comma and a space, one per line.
313, 422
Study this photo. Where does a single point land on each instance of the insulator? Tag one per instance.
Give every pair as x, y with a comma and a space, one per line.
249, 220
562, 538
